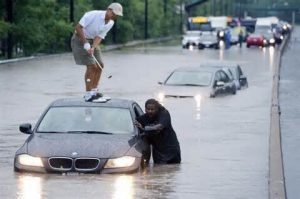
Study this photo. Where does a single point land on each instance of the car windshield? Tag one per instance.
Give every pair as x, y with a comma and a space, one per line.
262, 29
190, 78
208, 37
192, 34
101, 120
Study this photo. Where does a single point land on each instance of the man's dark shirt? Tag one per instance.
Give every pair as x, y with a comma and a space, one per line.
165, 145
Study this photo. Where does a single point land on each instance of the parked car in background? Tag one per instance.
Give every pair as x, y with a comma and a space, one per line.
191, 38
84, 137
208, 40
266, 32
256, 40
196, 82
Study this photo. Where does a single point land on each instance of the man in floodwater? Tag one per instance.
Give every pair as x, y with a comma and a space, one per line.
158, 131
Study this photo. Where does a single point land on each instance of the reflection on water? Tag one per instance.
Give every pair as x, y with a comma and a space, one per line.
221, 51
29, 187
123, 187
271, 53
159, 180
198, 99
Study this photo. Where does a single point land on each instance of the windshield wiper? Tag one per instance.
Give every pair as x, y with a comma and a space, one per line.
51, 132
90, 132
192, 85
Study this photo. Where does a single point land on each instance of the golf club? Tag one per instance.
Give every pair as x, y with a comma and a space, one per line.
99, 65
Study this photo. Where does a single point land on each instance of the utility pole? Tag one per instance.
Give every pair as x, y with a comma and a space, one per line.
165, 8
146, 19
214, 7
181, 15
9, 19
71, 19
71, 11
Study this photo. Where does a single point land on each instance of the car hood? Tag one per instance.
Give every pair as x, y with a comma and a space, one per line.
208, 40
83, 145
185, 91
191, 38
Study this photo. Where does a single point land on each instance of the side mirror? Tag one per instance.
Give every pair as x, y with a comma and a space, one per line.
220, 83
243, 78
25, 128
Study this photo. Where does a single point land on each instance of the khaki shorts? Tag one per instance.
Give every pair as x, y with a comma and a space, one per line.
81, 56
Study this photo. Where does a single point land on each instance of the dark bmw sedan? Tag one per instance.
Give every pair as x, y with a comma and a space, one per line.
84, 137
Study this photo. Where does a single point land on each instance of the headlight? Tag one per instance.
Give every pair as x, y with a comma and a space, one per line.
221, 34
197, 98
281, 37
265, 41
272, 40
28, 160
161, 97
125, 161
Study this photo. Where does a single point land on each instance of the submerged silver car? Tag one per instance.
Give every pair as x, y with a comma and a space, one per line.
84, 137
196, 82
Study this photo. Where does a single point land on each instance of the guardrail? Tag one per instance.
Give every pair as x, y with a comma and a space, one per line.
105, 48
277, 189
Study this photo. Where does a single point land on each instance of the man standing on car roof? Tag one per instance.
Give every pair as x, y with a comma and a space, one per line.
158, 131
89, 32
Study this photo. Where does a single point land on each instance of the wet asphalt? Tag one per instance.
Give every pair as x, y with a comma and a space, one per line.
224, 143
289, 119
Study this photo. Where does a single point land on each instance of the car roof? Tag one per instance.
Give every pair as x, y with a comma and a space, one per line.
219, 64
78, 102
196, 69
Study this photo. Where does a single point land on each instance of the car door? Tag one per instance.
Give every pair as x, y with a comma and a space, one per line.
142, 144
227, 82
217, 88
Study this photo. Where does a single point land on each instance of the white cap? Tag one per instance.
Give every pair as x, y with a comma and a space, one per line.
116, 8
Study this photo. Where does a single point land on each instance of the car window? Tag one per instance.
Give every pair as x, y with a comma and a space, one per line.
98, 119
218, 76
201, 78
229, 73
224, 77
239, 70
137, 110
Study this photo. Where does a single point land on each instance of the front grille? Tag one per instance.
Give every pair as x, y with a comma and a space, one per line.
61, 163
86, 164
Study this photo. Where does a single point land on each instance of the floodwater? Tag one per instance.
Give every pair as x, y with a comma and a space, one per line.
224, 141
289, 118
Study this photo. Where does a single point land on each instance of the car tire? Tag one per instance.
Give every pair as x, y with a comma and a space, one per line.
248, 46
212, 95
246, 84
16, 169
234, 91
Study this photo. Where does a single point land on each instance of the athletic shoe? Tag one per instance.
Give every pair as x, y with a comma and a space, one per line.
91, 95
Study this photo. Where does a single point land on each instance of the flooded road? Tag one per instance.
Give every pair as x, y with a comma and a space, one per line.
224, 141
290, 110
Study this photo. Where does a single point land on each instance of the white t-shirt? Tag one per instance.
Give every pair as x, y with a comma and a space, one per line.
93, 23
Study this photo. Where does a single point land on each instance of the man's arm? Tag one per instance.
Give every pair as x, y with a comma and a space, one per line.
157, 128
80, 34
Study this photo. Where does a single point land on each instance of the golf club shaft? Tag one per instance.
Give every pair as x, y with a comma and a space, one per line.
97, 62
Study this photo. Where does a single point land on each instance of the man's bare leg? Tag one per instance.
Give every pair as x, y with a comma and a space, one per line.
90, 76
97, 77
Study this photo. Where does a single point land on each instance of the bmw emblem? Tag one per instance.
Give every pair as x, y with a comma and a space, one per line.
74, 153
